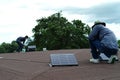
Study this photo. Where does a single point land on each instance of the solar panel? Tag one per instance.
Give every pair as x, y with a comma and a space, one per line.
63, 60
31, 48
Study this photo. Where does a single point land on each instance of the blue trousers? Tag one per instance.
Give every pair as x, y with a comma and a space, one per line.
20, 46
97, 48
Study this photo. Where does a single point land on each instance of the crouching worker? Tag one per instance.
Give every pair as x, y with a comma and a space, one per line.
20, 41
103, 40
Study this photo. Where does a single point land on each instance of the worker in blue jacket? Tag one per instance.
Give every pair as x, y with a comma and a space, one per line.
20, 41
102, 40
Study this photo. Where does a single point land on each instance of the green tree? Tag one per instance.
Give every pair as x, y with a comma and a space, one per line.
2, 49
80, 33
8, 47
56, 32
5, 47
119, 43
13, 46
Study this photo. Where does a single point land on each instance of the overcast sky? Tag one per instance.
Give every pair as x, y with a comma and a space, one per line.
18, 17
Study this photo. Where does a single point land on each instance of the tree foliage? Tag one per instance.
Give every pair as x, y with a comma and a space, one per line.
119, 43
56, 32
8, 47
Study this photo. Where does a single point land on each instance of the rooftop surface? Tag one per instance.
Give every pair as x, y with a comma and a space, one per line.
35, 66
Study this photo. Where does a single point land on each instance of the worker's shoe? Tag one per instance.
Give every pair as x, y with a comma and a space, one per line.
94, 60
112, 59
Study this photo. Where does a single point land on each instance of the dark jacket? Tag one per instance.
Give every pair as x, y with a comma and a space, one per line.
21, 39
106, 36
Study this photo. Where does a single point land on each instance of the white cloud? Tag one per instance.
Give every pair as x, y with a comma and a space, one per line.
18, 17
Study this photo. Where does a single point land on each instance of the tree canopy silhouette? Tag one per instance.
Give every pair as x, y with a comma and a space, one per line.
56, 32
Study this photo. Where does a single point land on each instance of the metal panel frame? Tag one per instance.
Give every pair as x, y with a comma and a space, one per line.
63, 60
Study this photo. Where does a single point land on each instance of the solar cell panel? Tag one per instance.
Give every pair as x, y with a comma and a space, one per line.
63, 60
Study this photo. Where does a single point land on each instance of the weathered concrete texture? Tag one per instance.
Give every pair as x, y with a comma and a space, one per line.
35, 66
